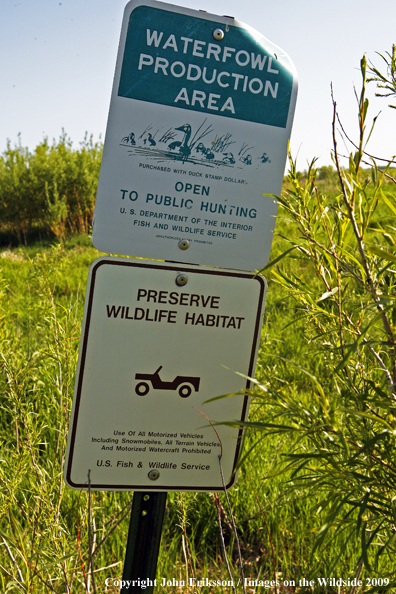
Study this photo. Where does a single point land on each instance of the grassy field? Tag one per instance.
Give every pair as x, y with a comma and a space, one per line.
44, 525
315, 499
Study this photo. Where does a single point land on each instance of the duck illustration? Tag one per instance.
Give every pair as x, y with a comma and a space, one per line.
229, 158
173, 145
264, 158
206, 152
182, 145
247, 160
201, 148
151, 140
130, 138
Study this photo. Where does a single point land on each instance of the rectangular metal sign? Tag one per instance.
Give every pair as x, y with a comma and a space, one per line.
196, 142
158, 341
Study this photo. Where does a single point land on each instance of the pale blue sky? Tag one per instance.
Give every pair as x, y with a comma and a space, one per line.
58, 59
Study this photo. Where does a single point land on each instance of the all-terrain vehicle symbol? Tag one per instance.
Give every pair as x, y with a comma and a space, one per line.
182, 383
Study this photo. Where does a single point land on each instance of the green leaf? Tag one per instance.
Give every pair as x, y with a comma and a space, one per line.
327, 294
382, 253
307, 373
270, 264
362, 509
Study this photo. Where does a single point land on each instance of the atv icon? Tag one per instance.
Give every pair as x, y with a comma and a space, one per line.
182, 383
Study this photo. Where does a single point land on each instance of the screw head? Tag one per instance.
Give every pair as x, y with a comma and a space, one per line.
153, 475
184, 244
218, 34
181, 280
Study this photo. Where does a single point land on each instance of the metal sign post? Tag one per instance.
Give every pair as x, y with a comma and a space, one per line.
140, 425
194, 155
143, 543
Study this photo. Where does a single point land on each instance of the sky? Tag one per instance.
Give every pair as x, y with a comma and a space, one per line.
58, 59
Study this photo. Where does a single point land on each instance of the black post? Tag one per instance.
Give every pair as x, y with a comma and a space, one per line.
143, 544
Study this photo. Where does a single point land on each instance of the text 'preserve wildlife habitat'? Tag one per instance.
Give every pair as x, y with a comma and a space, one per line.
177, 63
154, 313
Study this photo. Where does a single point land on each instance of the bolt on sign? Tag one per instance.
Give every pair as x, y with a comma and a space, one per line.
158, 342
196, 143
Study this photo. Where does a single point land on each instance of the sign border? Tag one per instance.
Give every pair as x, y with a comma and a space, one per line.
145, 243
105, 260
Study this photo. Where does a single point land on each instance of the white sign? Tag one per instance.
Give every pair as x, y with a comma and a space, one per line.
196, 142
152, 353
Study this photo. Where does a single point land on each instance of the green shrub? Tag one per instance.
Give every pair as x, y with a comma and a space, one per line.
51, 190
338, 405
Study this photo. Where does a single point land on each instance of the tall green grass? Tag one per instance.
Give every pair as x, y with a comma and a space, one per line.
44, 526
312, 499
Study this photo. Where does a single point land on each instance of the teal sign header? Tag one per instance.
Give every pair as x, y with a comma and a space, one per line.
173, 59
